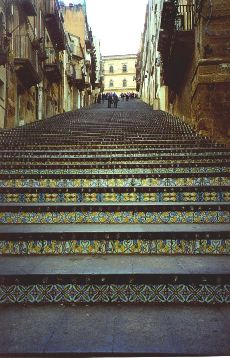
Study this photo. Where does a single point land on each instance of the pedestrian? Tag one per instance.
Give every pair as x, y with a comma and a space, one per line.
110, 100
99, 98
115, 100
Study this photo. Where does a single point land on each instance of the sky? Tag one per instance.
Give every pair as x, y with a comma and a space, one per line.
118, 24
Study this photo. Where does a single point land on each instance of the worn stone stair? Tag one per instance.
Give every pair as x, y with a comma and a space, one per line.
126, 207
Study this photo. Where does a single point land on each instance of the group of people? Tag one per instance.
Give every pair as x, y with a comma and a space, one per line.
127, 96
113, 98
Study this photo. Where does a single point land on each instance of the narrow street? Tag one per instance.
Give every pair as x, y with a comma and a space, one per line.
113, 220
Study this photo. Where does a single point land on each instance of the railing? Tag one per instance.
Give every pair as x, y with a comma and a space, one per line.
51, 57
23, 49
55, 27
51, 7
77, 51
29, 2
78, 74
185, 18
30, 7
70, 70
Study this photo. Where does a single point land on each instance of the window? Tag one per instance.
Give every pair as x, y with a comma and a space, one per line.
111, 83
111, 68
124, 83
124, 67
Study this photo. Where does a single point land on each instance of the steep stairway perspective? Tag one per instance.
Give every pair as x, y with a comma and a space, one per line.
114, 233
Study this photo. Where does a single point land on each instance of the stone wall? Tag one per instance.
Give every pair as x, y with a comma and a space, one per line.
211, 80
204, 96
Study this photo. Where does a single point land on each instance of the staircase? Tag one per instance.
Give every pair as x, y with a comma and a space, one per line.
126, 209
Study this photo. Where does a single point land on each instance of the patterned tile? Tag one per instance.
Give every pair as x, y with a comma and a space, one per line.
107, 293
161, 196
158, 247
116, 217
115, 182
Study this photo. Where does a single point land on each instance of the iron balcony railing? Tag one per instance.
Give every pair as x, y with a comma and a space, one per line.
51, 56
51, 7
28, 69
77, 51
70, 71
23, 49
185, 18
53, 66
54, 23
29, 6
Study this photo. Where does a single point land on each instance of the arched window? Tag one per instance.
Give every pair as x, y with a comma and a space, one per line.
124, 83
124, 67
111, 83
111, 68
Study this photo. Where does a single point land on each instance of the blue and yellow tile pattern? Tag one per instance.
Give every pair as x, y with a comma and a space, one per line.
114, 293
116, 247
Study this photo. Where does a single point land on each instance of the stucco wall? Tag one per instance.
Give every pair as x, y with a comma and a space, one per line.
118, 75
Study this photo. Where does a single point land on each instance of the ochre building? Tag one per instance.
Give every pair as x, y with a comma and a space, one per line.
119, 73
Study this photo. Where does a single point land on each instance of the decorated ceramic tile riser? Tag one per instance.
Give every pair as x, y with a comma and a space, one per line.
113, 182
115, 197
104, 247
100, 154
40, 171
117, 217
114, 293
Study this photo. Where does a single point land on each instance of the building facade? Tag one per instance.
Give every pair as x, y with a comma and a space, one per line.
184, 62
119, 73
46, 64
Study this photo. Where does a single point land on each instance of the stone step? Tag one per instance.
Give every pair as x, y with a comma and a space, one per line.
115, 168
98, 157
121, 330
158, 145
136, 206
211, 165
112, 151
153, 268
124, 239
128, 279
158, 140
88, 147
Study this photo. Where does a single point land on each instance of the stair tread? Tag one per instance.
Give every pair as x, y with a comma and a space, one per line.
113, 228
118, 204
114, 329
114, 265
147, 189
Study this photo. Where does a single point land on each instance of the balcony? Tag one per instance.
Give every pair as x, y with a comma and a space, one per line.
25, 60
79, 79
54, 24
176, 42
4, 47
52, 67
89, 40
77, 53
75, 76
29, 7
70, 73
